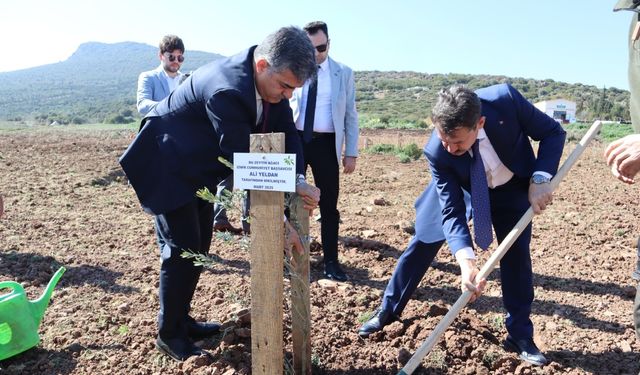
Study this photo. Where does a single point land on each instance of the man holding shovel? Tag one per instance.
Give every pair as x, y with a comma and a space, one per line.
481, 146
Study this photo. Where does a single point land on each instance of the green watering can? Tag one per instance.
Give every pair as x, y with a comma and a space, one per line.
20, 318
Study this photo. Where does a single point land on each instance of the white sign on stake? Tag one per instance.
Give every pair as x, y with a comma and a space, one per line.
272, 172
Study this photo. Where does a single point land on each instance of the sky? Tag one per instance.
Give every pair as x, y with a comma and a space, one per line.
565, 40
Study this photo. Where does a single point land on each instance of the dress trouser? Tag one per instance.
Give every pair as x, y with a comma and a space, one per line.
634, 75
320, 155
508, 203
188, 227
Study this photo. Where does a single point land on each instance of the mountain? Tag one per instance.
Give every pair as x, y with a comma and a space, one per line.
95, 84
98, 84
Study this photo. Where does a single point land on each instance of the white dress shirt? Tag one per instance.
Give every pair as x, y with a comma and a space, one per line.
258, 106
322, 121
497, 174
173, 82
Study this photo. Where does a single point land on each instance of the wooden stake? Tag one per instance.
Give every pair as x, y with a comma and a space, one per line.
497, 255
267, 244
300, 299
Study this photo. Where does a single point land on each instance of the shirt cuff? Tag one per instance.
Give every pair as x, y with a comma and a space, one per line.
465, 253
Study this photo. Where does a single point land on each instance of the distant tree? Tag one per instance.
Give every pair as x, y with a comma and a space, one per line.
78, 120
116, 119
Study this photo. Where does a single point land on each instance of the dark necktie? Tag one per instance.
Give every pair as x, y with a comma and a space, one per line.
310, 112
265, 116
480, 200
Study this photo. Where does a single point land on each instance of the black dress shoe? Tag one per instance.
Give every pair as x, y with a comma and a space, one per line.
201, 330
177, 348
227, 227
380, 319
333, 271
526, 349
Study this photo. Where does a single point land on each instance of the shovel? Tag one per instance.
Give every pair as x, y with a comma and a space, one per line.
491, 263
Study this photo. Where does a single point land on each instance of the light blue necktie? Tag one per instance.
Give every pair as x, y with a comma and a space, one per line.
480, 201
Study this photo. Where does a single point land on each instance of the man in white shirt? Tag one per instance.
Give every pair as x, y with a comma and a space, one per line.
325, 114
155, 85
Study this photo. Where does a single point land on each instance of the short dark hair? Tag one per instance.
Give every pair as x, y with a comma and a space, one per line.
312, 27
170, 43
289, 48
457, 107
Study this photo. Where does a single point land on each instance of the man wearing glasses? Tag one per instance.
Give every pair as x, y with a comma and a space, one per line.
155, 85
325, 114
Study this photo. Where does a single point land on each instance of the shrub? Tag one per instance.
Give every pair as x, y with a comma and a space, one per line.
382, 148
411, 150
404, 158
405, 153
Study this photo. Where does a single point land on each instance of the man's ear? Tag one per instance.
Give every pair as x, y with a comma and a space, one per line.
480, 124
261, 65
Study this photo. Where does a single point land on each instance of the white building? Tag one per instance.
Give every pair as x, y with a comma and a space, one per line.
562, 110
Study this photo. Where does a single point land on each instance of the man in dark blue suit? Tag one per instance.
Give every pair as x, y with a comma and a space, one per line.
497, 122
176, 153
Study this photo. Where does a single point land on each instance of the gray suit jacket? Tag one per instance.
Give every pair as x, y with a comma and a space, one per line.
343, 107
152, 88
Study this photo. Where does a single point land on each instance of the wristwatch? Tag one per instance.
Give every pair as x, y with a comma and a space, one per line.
540, 179
300, 179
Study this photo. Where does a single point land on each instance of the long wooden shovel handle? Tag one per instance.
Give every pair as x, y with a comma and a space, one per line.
491, 263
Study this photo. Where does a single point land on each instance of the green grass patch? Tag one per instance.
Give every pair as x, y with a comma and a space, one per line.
11, 126
387, 122
608, 132
123, 329
405, 154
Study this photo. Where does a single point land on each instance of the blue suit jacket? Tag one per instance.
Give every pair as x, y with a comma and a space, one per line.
211, 114
510, 121
152, 88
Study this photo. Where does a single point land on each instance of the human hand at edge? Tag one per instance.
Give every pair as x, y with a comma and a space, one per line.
540, 196
469, 271
623, 156
349, 164
310, 195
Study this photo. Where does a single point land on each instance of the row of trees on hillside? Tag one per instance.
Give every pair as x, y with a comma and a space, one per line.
392, 97
384, 99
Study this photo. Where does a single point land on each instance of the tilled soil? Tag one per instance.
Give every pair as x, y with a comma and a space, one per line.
68, 203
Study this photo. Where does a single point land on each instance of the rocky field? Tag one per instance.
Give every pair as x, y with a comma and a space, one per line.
67, 203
